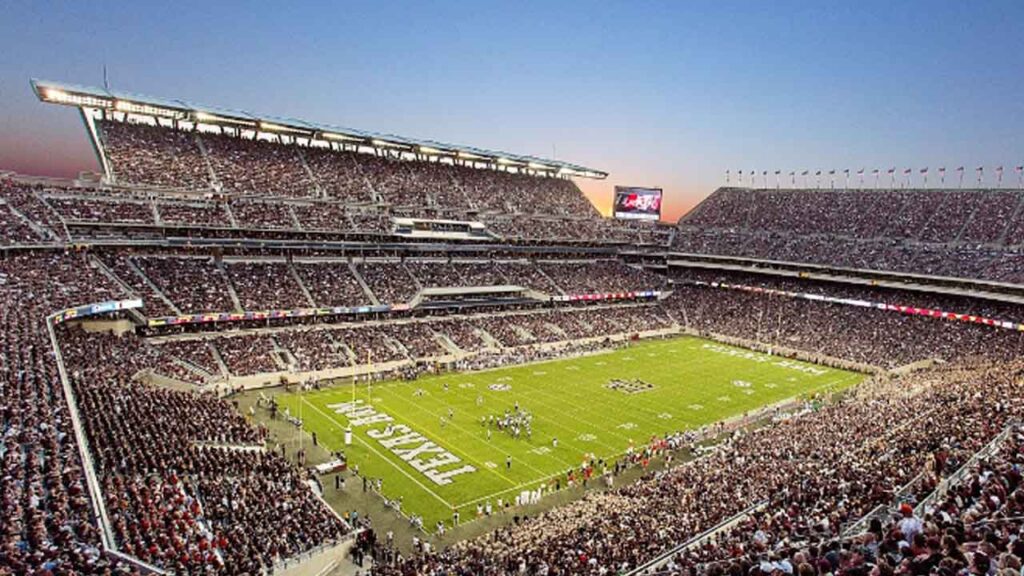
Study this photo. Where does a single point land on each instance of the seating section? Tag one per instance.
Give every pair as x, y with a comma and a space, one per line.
156, 156
178, 494
141, 154
195, 285
265, 285
331, 283
956, 233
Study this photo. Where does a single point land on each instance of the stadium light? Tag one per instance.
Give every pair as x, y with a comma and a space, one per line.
271, 127
429, 150
539, 166
134, 108
340, 137
201, 116
62, 97
471, 156
388, 144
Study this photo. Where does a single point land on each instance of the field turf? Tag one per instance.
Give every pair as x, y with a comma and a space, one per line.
666, 385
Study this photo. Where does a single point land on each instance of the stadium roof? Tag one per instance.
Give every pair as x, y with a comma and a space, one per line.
116, 100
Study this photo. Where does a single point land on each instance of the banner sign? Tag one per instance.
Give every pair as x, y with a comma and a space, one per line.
94, 309
608, 296
909, 310
262, 315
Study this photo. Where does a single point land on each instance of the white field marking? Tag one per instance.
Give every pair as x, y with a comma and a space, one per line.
459, 452
535, 482
612, 457
539, 373
379, 455
568, 414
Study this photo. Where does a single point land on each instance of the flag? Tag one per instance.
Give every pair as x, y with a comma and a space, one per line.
832, 172
818, 173
861, 171
891, 170
942, 170
979, 169
875, 171
924, 170
1019, 168
804, 173
777, 172
846, 170
906, 170
960, 169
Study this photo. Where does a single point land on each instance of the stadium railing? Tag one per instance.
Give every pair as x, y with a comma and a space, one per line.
92, 483
902, 495
962, 472
652, 567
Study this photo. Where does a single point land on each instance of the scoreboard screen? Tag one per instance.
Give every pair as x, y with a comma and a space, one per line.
636, 203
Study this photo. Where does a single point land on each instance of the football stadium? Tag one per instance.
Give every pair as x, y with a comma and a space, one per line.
252, 344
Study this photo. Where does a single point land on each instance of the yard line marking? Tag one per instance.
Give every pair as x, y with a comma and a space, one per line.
468, 433
374, 450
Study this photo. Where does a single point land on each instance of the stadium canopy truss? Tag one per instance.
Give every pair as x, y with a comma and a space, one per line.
98, 103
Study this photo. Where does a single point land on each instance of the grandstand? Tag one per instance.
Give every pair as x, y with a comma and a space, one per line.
165, 324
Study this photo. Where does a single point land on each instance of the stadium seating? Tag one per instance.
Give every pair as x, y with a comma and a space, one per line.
955, 233
142, 154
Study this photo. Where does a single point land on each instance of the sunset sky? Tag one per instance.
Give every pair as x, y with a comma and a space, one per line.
657, 94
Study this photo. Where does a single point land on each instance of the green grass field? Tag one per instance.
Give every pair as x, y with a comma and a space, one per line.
695, 382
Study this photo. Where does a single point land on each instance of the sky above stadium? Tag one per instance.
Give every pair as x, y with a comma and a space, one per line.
657, 94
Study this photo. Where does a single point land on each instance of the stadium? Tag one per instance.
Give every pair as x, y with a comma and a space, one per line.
253, 344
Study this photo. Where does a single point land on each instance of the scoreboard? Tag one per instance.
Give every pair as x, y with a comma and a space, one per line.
635, 203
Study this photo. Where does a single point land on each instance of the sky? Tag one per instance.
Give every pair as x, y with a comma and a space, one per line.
667, 94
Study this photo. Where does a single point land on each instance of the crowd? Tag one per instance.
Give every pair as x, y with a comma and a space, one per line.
26, 200
187, 482
194, 285
600, 277
150, 155
15, 228
46, 519
956, 233
208, 214
262, 285
94, 210
417, 342
859, 334
331, 283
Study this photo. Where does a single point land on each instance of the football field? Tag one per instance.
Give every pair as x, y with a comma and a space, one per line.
426, 438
